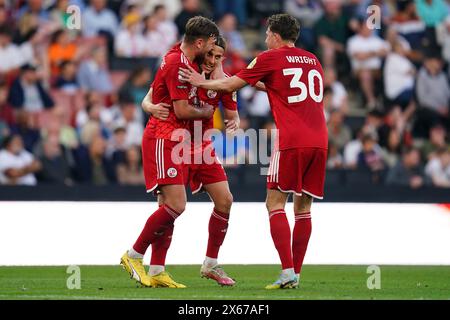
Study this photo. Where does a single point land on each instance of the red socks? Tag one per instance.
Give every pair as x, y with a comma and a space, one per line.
281, 235
158, 222
218, 224
161, 246
300, 239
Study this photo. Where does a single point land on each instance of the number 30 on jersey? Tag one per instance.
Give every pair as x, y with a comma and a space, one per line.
304, 90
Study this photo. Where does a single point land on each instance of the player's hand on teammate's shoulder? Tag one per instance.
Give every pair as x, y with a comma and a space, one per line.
191, 75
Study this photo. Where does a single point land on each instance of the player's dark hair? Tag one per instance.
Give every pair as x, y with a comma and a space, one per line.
220, 41
200, 27
285, 25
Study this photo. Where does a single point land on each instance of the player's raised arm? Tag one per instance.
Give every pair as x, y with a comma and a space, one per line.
183, 110
196, 79
160, 110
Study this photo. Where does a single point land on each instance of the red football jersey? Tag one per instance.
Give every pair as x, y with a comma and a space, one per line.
229, 101
167, 88
294, 81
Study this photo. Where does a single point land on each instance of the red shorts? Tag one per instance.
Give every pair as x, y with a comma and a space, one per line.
159, 167
299, 170
203, 174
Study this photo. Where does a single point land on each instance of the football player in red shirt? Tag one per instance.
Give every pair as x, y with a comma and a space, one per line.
293, 79
208, 177
163, 172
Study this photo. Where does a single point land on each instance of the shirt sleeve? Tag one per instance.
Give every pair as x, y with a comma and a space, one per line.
178, 90
259, 68
229, 101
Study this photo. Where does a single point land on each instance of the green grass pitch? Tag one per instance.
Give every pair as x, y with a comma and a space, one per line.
318, 282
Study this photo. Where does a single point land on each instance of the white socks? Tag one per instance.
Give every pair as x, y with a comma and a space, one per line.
210, 262
133, 254
155, 269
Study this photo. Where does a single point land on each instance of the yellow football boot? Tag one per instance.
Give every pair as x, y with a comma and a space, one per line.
284, 282
163, 279
136, 270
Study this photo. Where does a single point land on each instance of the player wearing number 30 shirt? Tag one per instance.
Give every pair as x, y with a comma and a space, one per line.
293, 79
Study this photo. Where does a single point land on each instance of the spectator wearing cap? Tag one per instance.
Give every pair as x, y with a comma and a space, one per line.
438, 168
98, 19
366, 52
129, 41
17, 166
408, 171
433, 94
28, 93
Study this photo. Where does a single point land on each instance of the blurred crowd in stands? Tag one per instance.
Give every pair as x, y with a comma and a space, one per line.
70, 98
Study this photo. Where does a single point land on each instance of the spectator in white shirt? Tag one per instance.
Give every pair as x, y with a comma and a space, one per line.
17, 166
13, 56
155, 43
129, 42
399, 75
438, 169
98, 18
166, 26
366, 51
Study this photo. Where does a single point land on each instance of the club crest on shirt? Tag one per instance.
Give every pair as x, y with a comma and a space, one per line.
211, 94
172, 172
